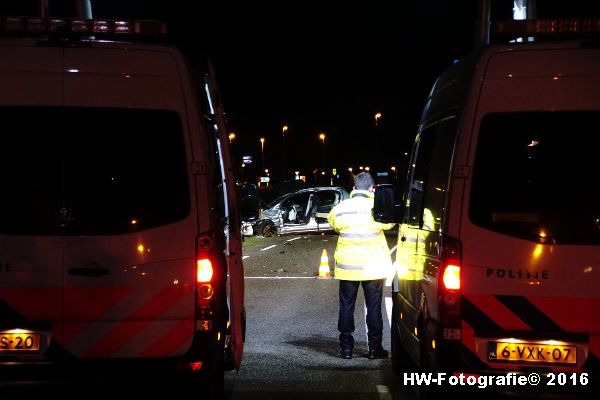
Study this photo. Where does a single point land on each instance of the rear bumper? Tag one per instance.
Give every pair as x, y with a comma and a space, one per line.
465, 372
462, 376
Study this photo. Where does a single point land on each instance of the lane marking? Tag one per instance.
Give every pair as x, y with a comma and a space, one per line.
269, 247
383, 392
388, 309
296, 238
388, 280
365, 314
244, 257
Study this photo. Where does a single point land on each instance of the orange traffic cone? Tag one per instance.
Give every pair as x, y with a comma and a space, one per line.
324, 272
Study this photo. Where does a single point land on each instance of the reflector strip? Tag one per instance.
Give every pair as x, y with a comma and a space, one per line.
521, 307
506, 319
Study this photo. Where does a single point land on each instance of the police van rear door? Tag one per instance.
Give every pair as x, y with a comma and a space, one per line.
531, 231
129, 258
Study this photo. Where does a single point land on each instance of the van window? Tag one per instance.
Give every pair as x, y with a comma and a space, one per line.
89, 171
535, 177
431, 173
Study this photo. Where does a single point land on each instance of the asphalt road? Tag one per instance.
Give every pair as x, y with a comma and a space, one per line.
291, 348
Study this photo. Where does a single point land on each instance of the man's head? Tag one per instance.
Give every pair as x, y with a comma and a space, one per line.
363, 181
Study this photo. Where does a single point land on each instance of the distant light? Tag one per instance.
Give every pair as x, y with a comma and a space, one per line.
519, 11
73, 70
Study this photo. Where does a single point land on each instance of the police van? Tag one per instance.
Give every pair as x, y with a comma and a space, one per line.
498, 252
119, 227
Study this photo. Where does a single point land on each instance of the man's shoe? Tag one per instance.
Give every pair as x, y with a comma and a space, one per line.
346, 354
377, 354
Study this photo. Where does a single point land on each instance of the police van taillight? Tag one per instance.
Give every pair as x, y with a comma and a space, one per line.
451, 276
450, 282
206, 258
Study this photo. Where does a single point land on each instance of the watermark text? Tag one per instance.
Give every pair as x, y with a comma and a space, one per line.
484, 381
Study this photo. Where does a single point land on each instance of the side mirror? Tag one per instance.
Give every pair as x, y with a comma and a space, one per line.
387, 208
249, 201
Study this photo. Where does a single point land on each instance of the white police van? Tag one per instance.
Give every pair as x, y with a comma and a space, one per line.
119, 228
498, 253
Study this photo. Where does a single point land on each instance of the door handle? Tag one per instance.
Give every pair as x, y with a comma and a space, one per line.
90, 270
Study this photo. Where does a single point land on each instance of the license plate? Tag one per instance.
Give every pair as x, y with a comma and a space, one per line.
11, 342
535, 353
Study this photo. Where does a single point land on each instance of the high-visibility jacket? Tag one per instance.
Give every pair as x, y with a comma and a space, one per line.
362, 252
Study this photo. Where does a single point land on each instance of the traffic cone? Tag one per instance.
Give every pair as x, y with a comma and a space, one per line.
324, 272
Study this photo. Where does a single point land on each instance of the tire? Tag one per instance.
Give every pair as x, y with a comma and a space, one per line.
432, 392
215, 380
216, 383
401, 361
268, 229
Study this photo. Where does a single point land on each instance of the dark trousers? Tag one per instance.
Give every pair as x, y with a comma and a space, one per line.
373, 291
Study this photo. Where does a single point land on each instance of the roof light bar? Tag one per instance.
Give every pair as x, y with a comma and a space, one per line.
548, 27
116, 27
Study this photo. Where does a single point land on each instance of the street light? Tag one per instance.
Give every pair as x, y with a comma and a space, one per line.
322, 137
283, 131
262, 152
376, 155
233, 153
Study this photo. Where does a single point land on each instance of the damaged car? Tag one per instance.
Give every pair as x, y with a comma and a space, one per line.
302, 211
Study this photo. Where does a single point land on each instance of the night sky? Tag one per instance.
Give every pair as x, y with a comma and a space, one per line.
315, 66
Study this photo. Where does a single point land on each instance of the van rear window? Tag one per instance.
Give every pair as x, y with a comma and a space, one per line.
90, 171
536, 175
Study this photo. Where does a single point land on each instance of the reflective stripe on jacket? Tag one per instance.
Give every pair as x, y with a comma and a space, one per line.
362, 252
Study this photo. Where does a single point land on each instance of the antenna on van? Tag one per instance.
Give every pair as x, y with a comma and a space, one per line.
490, 11
43, 8
83, 9
482, 37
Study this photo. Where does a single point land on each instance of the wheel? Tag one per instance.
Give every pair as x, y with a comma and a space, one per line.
268, 229
215, 378
401, 361
425, 392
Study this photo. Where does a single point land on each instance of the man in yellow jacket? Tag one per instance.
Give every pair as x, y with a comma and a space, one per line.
362, 257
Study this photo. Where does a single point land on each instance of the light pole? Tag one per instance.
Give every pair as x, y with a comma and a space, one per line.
322, 137
262, 153
376, 155
283, 131
233, 155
